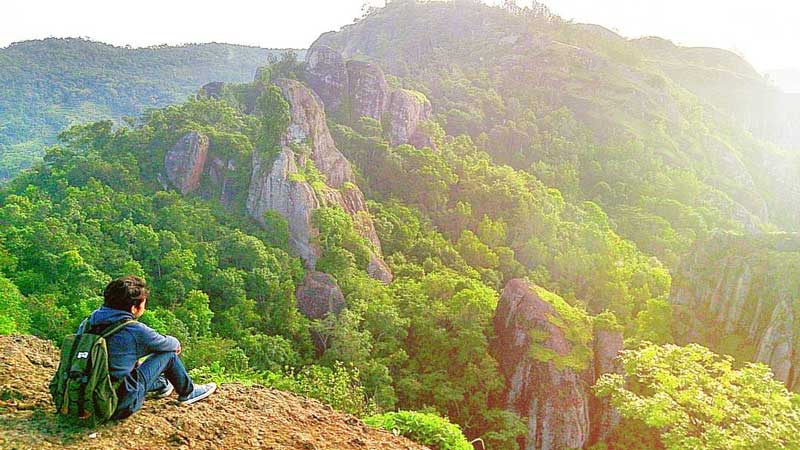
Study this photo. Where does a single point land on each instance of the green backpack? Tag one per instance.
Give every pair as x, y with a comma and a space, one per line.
82, 386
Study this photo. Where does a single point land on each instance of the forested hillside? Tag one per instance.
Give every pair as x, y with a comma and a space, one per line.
48, 84
481, 213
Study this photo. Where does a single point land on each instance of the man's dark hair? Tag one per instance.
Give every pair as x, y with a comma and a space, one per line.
125, 292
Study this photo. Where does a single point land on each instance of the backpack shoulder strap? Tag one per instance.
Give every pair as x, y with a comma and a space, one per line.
82, 326
116, 327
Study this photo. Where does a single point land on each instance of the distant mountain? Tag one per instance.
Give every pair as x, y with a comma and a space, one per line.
47, 84
765, 105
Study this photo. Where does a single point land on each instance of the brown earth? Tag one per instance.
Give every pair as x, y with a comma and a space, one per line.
236, 417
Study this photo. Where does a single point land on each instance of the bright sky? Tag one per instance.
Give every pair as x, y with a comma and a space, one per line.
767, 32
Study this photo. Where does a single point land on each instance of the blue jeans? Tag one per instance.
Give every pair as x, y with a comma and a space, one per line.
135, 385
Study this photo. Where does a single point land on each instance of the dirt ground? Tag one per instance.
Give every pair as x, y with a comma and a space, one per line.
235, 417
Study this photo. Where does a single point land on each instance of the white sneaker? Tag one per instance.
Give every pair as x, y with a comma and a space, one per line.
199, 393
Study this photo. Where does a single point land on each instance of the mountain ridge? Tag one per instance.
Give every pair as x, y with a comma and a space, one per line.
48, 84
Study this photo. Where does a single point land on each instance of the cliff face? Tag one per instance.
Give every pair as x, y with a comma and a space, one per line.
308, 128
549, 371
358, 89
739, 295
184, 162
272, 190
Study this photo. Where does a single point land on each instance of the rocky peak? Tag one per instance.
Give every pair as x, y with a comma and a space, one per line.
184, 162
326, 73
273, 188
308, 127
363, 88
554, 396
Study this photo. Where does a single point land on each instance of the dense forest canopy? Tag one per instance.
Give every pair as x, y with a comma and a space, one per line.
551, 162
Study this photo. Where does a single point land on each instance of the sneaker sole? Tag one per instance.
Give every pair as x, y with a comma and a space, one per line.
198, 398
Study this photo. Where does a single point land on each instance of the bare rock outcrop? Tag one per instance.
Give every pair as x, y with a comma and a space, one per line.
184, 162
543, 379
367, 89
359, 89
607, 345
273, 188
777, 346
326, 73
407, 110
308, 127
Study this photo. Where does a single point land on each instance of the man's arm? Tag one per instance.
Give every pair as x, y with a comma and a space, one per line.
155, 342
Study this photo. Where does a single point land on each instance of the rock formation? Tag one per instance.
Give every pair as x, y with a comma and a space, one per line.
327, 75
308, 127
358, 89
407, 111
604, 418
738, 294
193, 157
184, 162
276, 181
317, 296
272, 187
367, 90
272, 190
540, 365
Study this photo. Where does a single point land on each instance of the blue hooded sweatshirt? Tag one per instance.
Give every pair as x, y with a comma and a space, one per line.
132, 342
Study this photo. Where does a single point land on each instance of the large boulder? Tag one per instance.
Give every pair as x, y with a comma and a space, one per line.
407, 110
318, 295
184, 162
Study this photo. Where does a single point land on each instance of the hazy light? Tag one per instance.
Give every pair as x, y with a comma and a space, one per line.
765, 32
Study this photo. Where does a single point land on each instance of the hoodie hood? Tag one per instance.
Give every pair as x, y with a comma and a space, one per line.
104, 314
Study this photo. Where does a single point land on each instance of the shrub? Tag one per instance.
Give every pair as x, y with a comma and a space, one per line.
424, 428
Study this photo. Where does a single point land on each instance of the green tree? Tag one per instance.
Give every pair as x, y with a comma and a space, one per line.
697, 400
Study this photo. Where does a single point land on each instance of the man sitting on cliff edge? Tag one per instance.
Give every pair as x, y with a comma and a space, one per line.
161, 372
